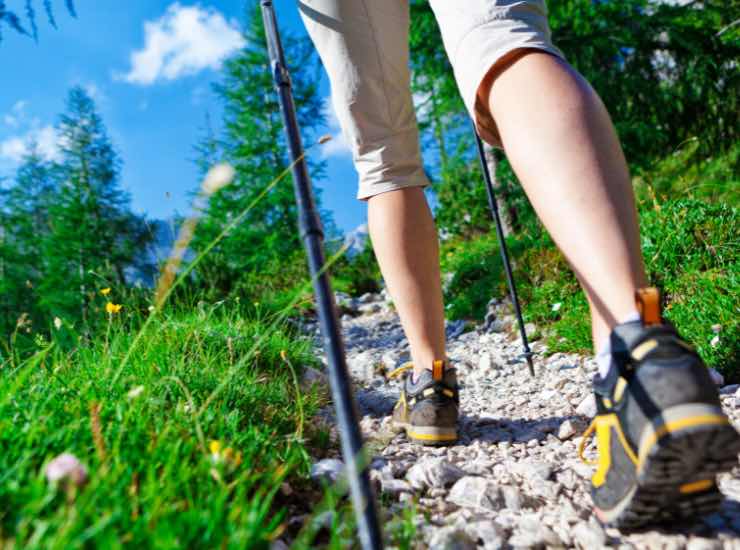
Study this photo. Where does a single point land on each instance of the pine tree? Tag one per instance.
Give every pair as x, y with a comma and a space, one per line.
25, 223
93, 235
264, 250
12, 20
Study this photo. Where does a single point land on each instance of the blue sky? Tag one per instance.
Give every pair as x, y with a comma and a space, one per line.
149, 66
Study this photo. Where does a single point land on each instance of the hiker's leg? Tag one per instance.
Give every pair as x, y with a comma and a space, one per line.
563, 147
559, 139
364, 48
405, 243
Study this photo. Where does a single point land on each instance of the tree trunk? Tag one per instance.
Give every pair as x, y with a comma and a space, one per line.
439, 133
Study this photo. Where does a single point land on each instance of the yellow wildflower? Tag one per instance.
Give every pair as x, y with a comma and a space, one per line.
105, 291
283, 355
112, 308
214, 447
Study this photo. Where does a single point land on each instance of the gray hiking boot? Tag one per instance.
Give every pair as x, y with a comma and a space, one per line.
661, 433
428, 407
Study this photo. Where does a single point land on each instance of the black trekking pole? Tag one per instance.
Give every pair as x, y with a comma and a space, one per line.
356, 465
504, 252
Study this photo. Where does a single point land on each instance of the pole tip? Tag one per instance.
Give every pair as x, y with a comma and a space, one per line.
530, 363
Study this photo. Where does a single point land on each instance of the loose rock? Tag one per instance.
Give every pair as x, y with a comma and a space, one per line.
477, 492
433, 472
514, 479
587, 407
327, 470
567, 430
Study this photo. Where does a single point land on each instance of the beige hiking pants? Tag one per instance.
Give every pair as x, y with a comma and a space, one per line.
364, 47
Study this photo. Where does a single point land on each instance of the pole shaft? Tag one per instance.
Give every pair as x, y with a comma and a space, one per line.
356, 465
504, 252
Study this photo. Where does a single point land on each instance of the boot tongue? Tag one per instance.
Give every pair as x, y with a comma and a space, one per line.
438, 370
647, 301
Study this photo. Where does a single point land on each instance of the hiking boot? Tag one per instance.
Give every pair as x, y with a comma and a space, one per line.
661, 435
427, 408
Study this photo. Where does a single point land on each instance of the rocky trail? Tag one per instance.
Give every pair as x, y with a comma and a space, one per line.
514, 479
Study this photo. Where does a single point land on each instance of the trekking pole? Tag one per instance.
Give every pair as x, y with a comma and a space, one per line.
504, 252
356, 466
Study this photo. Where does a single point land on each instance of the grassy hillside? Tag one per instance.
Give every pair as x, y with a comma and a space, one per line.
691, 245
188, 447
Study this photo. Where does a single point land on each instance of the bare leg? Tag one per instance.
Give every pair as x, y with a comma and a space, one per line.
562, 146
405, 243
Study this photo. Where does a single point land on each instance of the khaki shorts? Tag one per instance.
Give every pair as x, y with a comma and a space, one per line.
364, 47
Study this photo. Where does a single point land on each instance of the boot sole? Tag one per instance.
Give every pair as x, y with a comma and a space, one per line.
433, 436
680, 457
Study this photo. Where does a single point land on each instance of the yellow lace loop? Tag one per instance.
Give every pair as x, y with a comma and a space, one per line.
400, 370
587, 436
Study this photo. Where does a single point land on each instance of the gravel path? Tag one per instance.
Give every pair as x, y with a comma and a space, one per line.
514, 479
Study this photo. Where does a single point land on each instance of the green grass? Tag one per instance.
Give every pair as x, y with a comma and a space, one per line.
691, 250
193, 378
684, 174
197, 376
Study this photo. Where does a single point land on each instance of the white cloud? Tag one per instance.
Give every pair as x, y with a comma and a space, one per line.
16, 115
95, 93
14, 148
338, 146
185, 40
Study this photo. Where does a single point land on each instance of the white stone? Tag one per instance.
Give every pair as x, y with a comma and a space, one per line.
362, 366
433, 472
394, 486
484, 362
587, 407
547, 395
488, 533
476, 492
698, 543
451, 538
567, 430
328, 470
533, 471
367, 298
589, 535
369, 309
512, 497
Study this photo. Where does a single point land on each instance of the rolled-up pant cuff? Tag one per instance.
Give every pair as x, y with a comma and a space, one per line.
390, 164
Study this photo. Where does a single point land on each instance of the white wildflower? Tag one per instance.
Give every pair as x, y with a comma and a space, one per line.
66, 467
135, 392
218, 177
